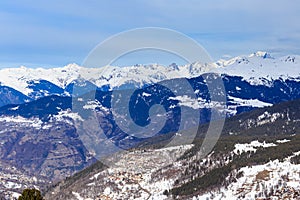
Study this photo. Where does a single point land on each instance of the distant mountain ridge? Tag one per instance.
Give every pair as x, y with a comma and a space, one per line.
259, 68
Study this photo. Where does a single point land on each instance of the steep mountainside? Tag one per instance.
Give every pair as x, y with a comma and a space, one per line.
248, 163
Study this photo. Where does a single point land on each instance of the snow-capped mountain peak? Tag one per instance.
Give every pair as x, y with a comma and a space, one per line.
261, 67
261, 54
20, 78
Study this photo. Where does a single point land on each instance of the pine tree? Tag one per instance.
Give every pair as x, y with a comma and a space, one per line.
31, 194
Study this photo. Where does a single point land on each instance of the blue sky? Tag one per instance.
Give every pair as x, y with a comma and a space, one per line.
55, 33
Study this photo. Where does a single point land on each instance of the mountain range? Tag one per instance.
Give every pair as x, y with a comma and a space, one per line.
39, 136
259, 68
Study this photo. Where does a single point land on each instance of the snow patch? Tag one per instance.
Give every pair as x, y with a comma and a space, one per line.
249, 102
251, 147
283, 141
146, 94
31, 122
67, 116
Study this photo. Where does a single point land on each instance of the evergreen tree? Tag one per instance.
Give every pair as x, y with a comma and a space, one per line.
31, 194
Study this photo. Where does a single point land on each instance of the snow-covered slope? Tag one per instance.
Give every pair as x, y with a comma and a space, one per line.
261, 67
273, 180
19, 78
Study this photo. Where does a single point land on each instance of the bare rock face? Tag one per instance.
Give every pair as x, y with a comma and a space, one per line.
51, 149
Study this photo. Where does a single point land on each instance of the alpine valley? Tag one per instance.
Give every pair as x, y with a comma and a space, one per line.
256, 156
